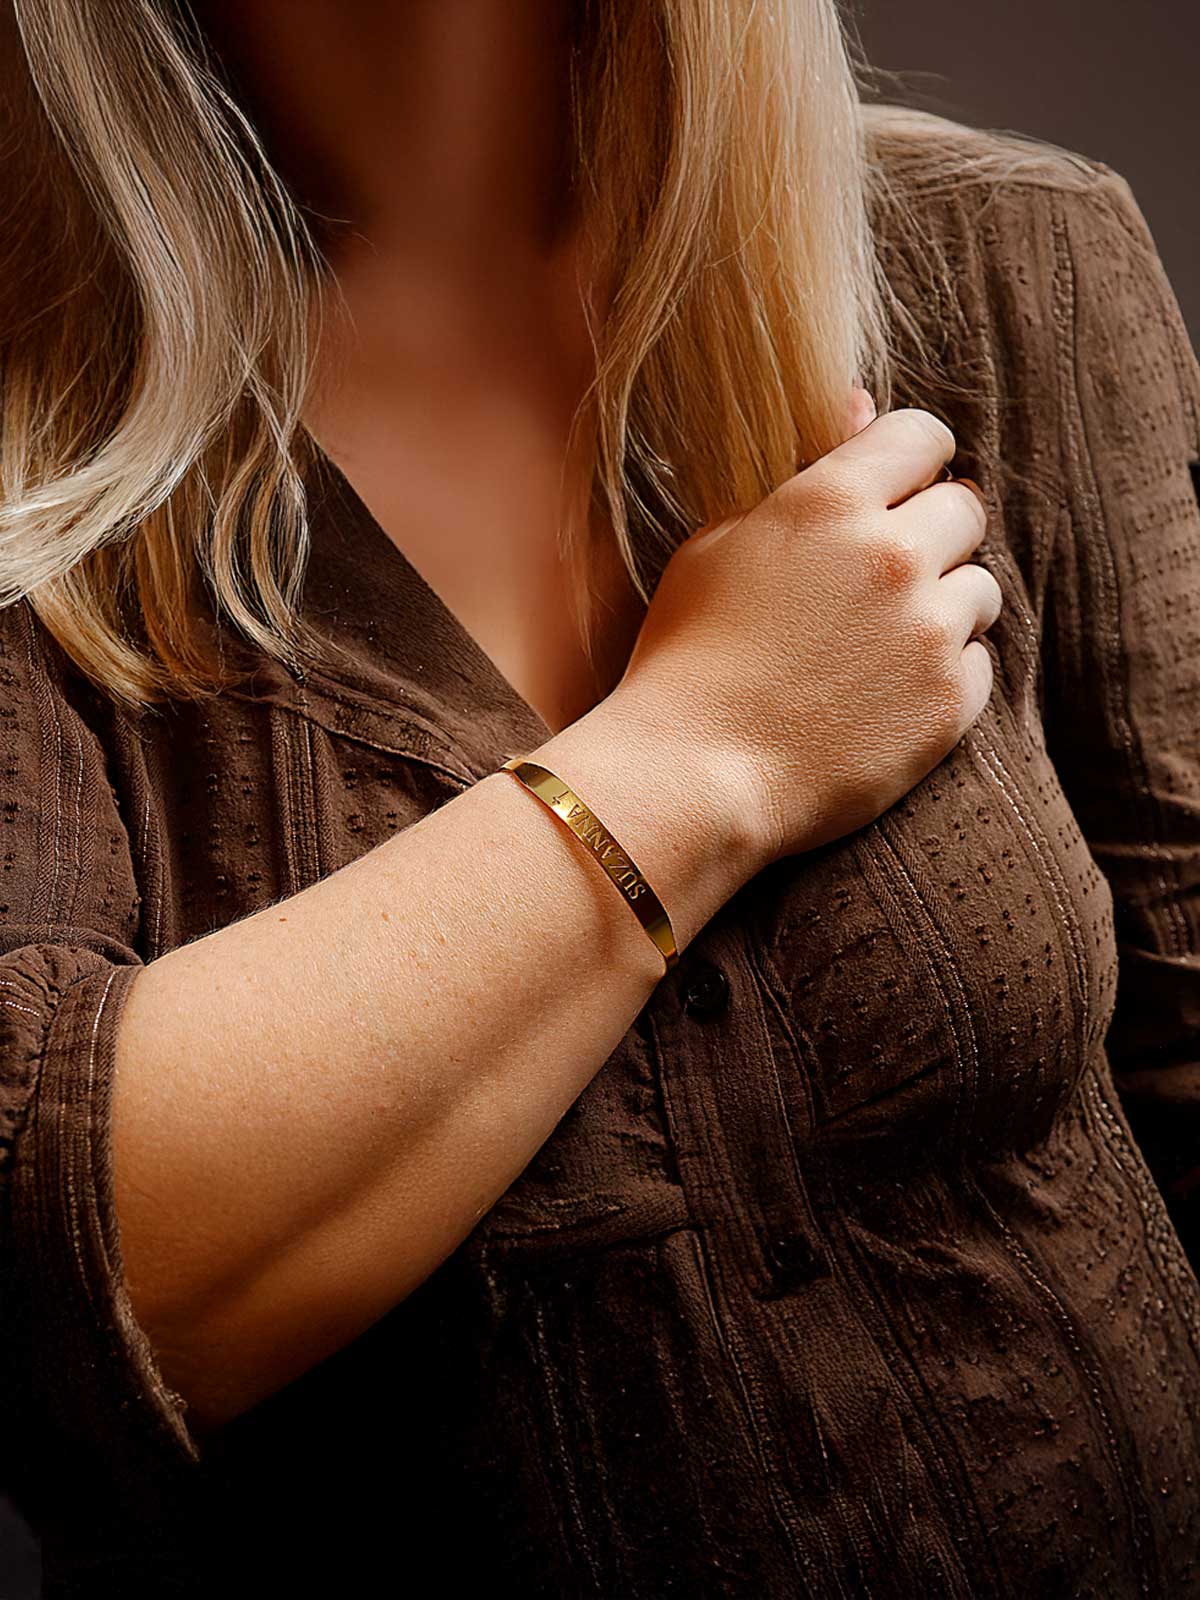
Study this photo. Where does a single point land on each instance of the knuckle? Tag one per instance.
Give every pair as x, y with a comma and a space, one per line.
829, 490
933, 426
893, 563
933, 635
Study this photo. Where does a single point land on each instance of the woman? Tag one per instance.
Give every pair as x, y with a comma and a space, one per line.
391, 391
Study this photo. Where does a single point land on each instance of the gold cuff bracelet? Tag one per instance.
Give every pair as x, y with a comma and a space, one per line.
617, 863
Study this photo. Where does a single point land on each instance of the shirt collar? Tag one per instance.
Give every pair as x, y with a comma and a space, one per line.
395, 641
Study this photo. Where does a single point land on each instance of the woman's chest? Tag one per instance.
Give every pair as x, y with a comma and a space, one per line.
935, 983
944, 974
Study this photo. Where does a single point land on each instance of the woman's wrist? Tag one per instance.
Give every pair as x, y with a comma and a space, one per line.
685, 814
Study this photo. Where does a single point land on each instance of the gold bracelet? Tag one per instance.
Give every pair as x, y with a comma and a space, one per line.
617, 863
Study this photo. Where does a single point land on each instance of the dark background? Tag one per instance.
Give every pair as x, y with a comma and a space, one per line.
1114, 80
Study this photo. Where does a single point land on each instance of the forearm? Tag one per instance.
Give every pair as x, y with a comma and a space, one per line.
313, 1106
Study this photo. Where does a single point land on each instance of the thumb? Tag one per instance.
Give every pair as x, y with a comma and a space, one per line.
860, 410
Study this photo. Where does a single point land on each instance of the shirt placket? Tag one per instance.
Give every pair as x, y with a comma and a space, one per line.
730, 1102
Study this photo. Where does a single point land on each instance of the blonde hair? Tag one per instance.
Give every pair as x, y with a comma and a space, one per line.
156, 336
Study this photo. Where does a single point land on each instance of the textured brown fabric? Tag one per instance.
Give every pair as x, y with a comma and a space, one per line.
846, 1275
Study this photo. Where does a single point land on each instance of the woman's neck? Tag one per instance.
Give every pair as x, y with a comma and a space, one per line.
436, 130
435, 134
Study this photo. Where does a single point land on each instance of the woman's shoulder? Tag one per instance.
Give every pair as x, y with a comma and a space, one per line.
1033, 311
996, 208
1016, 260
924, 154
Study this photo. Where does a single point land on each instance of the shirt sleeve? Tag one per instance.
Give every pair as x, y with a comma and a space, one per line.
85, 1416
1123, 656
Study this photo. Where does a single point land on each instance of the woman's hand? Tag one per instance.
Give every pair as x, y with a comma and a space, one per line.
828, 640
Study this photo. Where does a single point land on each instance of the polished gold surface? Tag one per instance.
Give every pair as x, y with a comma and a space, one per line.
616, 861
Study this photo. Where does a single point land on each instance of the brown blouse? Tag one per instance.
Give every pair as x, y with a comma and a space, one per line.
862, 1267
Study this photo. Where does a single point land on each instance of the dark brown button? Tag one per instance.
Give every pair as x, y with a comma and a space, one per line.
794, 1261
706, 991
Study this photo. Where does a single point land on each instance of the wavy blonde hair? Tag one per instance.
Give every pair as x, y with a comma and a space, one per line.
158, 282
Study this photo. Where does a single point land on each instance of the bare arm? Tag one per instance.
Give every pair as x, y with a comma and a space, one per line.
314, 1105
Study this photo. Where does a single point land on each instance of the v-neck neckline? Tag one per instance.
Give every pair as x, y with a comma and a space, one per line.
353, 563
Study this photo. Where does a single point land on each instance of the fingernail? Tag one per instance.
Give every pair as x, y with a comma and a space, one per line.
975, 488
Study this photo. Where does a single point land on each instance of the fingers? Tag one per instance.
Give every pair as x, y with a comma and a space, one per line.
972, 599
893, 456
977, 675
859, 412
947, 520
